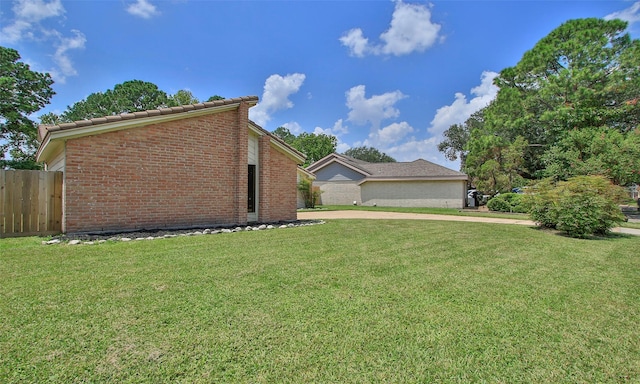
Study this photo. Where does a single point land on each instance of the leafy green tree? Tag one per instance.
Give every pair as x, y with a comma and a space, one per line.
130, 96
369, 154
182, 97
494, 164
22, 92
315, 147
596, 151
457, 136
284, 134
585, 75
50, 118
215, 97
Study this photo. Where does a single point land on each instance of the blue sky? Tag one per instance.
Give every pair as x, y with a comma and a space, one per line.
388, 74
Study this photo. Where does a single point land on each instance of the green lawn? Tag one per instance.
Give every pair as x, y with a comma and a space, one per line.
348, 301
442, 211
434, 211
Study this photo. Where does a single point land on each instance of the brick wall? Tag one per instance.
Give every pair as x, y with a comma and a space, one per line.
278, 192
190, 172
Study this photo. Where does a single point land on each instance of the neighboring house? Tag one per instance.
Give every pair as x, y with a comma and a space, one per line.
190, 166
420, 183
303, 174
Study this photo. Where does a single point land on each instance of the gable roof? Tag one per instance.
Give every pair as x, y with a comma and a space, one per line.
346, 161
52, 136
415, 170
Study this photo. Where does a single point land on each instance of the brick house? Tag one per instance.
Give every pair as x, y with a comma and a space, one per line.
190, 166
344, 180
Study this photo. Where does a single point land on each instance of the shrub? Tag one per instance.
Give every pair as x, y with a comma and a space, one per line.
507, 202
581, 206
310, 194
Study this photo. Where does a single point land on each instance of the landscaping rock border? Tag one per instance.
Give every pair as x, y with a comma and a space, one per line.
141, 235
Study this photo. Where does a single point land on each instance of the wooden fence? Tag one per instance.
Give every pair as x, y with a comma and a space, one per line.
31, 203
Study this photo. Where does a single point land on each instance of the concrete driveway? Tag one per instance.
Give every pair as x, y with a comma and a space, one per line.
327, 215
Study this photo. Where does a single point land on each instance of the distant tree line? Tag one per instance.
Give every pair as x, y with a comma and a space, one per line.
130, 96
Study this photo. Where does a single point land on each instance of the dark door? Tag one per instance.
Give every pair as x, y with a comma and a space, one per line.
251, 202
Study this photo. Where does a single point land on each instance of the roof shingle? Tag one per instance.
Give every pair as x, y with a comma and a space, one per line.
44, 129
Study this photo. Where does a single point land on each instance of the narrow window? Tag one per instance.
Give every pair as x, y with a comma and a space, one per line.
251, 202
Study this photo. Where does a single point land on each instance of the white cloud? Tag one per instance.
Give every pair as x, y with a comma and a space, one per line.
460, 110
356, 42
411, 30
36, 10
395, 139
374, 109
61, 58
143, 8
630, 15
16, 31
337, 130
275, 97
27, 26
28, 14
293, 127
394, 132
342, 147
426, 149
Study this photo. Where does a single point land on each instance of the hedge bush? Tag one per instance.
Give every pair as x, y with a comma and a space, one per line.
507, 202
581, 206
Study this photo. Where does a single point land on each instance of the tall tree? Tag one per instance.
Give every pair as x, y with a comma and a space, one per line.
314, 146
369, 154
182, 97
22, 92
596, 151
584, 75
456, 138
130, 96
284, 134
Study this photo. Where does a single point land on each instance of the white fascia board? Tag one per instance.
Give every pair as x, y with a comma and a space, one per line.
278, 146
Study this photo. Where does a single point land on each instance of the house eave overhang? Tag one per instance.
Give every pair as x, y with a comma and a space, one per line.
306, 173
56, 136
280, 146
416, 178
333, 159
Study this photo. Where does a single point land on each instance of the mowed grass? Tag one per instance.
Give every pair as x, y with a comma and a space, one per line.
427, 210
348, 301
442, 211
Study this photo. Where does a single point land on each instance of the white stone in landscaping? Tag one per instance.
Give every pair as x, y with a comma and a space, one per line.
125, 239
75, 242
54, 241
